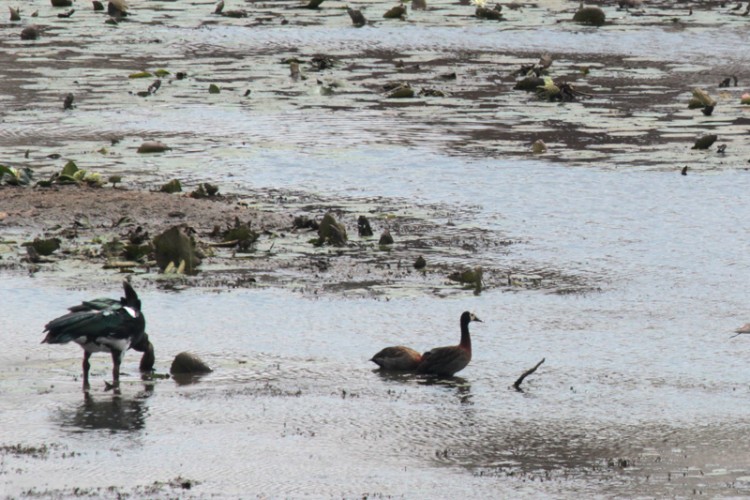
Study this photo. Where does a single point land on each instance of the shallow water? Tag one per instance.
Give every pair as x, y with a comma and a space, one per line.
642, 393
641, 374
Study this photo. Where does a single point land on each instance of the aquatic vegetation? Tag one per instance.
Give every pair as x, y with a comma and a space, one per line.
71, 174
173, 186
15, 176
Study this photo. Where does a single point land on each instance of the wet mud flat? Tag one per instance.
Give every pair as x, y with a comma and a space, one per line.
637, 398
93, 227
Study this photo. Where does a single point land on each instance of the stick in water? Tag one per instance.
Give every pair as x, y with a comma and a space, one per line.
517, 384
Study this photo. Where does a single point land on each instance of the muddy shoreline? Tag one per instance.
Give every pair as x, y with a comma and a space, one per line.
88, 221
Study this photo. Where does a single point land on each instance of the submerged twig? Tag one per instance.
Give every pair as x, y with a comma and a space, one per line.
517, 384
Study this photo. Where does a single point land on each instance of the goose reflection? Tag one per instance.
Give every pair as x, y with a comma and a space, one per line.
111, 412
459, 385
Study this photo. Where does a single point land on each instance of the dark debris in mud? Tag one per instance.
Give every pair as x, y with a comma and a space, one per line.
177, 487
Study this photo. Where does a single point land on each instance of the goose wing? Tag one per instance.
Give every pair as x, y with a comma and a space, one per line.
95, 319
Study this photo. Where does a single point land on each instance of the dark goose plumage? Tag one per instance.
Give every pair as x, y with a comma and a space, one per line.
105, 325
446, 361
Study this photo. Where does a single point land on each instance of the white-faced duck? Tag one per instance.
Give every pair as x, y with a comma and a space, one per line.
397, 358
445, 361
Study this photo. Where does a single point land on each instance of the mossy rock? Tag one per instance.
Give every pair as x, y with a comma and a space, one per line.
175, 247
401, 92
470, 277
44, 246
494, 14
705, 142
529, 84
397, 12
137, 252
386, 238
242, 234
593, 16
140, 74
205, 190
363, 227
173, 186
331, 232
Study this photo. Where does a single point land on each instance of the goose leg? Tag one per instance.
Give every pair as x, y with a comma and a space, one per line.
116, 358
86, 366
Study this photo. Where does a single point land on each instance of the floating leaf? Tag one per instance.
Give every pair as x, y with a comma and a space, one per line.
140, 74
69, 169
15, 176
161, 73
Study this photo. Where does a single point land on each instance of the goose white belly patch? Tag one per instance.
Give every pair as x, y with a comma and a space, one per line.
103, 344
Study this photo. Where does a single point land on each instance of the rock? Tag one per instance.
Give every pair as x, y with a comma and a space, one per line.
386, 238
213, 89
403, 91
494, 14
420, 263
538, 147
44, 246
358, 19
68, 102
705, 142
745, 99
30, 33
363, 226
241, 235
593, 16
529, 84
62, 3
331, 232
205, 190
186, 363
15, 14
701, 99
173, 186
175, 247
117, 8
418, 4
397, 12
304, 222
153, 147
98, 5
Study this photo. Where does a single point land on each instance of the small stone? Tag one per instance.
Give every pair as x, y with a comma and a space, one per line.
186, 363
386, 238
